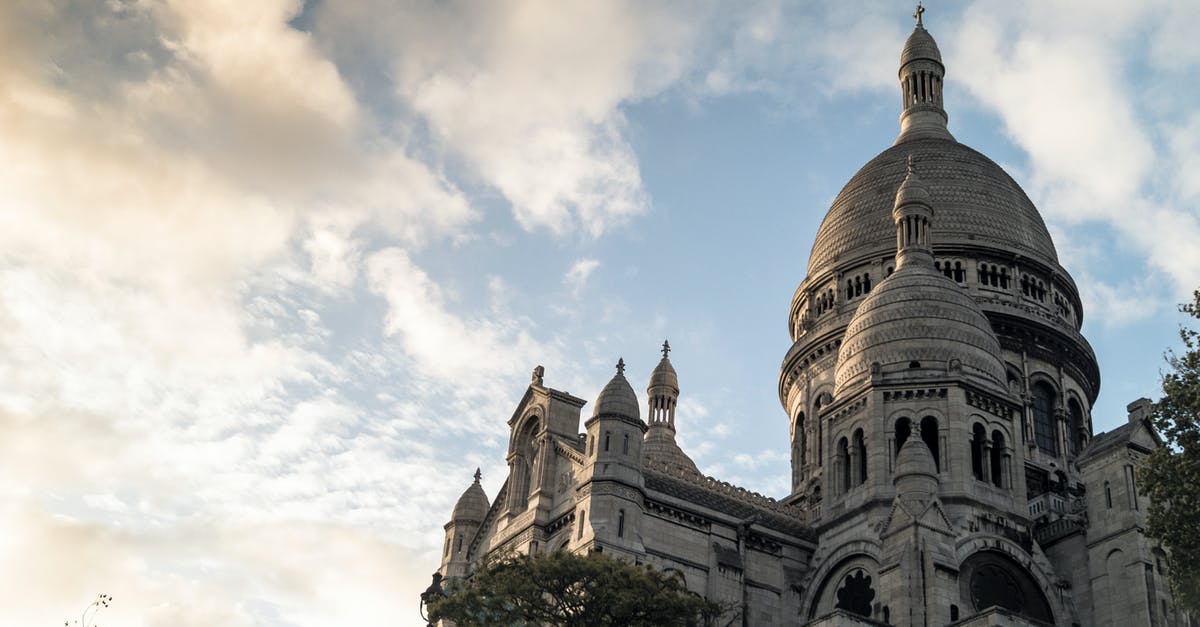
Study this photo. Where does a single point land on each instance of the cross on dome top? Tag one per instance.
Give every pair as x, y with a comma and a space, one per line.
666, 348
917, 14
621, 366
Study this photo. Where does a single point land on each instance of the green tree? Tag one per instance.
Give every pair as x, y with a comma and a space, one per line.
562, 588
1171, 476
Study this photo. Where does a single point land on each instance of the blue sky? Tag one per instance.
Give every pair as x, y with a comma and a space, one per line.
273, 275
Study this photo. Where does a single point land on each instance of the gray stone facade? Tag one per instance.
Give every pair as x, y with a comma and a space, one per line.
939, 393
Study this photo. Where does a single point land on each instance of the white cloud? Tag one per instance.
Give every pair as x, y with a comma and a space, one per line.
448, 347
577, 276
1059, 76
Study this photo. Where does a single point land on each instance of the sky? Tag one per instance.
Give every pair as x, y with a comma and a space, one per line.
274, 274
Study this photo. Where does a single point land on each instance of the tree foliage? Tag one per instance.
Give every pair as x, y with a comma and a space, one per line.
1171, 477
563, 588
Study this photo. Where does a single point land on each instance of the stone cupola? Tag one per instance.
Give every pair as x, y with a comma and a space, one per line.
921, 77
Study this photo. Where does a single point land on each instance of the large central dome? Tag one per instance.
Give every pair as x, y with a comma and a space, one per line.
978, 203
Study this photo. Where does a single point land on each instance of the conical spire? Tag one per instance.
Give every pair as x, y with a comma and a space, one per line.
921, 75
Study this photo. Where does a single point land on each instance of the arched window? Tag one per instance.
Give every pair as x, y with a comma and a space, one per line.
620, 523
849, 289
458, 544
929, 433
801, 441
843, 463
1075, 437
860, 450
960, 275
978, 437
866, 283
998, 459
1004, 278
607, 439
1043, 418
903, 430
983, 274
625, 445
820, 431
1107, 495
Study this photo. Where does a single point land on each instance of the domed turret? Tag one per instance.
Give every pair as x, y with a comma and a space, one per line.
917, 320
663, 379
920, 44
663, 393
921, 75
473, 505
916, 472
465, 520
617, 398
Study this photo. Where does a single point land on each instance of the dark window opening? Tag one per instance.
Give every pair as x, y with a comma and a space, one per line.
929, 434
856, 594
903, 430
997, 459
978, 437
1043, 418
621, 523
860, 450
1075, 437
843, 461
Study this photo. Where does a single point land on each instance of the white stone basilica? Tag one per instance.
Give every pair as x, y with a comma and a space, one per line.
939, 392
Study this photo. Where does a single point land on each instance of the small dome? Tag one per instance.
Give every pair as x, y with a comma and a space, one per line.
660, 446
473, 505
918, 320
916, 472
617, 398
664, 374
920, 45
912, 189
915, 458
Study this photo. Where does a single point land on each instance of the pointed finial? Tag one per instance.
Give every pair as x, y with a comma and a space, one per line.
666, 349
917, 14
621, 366
478, 475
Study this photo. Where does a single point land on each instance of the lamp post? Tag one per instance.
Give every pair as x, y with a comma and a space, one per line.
433, 591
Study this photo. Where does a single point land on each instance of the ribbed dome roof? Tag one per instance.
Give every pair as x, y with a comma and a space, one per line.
916, 472
918, 315
978, 204
660, 446
920, 45
914, 458
473, 505
664, 376
617, 398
